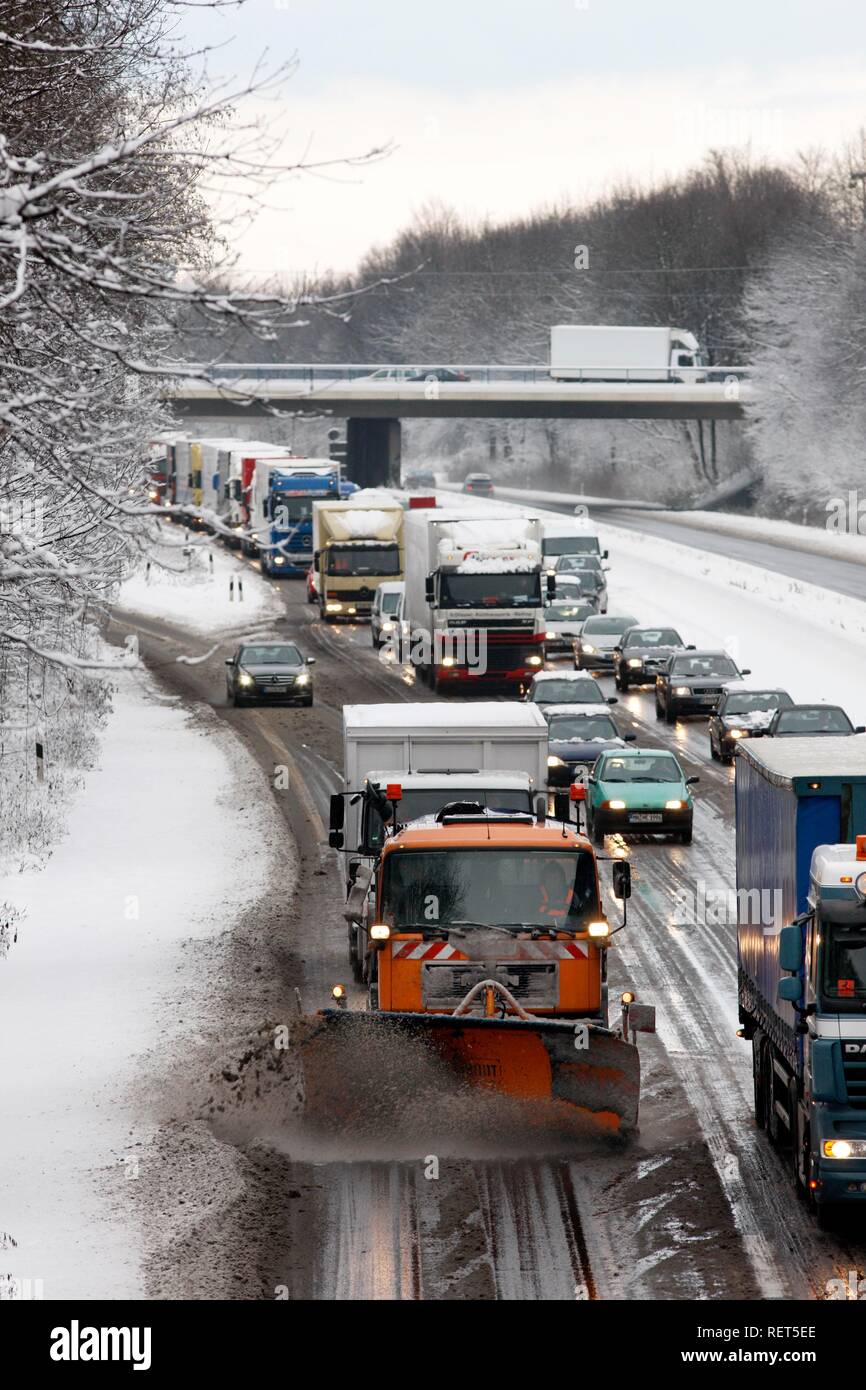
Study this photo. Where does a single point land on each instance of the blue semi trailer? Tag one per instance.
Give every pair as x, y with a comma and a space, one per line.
801, 895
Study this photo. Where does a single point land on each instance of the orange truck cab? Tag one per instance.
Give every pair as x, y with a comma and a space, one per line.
463, 900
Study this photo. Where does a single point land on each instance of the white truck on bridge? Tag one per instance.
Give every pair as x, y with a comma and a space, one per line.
597, 352
474, 601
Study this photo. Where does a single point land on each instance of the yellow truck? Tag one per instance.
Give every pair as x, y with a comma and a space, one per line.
357, 545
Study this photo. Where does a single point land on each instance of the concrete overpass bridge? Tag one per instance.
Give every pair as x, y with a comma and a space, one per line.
375, 399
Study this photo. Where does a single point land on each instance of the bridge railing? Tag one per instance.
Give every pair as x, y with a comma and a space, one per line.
319, 374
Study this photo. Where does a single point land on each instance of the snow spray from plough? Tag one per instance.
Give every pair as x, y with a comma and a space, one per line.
483, 944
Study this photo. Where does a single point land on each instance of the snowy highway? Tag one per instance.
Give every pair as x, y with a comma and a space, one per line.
700, 1206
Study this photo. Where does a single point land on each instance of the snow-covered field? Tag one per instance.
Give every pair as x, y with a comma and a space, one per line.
101, 992
195, 593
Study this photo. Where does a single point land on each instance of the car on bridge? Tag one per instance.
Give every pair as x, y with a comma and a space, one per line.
693, 682
263, 670
567, 688
811, 721
641, 653
639, 791
743, 714
438, 374
599, 636
576, 738
479, 484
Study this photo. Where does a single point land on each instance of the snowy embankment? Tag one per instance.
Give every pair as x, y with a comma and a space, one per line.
200, 586
168, 842
836, 544
810, 640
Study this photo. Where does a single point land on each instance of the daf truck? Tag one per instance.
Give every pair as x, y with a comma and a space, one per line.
357, 545
801, 896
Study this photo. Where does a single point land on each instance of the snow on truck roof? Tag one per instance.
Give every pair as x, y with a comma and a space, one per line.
477, 717
783, 759
469, 777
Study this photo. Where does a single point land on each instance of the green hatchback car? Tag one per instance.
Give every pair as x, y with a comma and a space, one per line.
639, 791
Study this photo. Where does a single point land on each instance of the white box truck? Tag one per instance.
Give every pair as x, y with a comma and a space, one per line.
493, 752
357, 545
474, 604
595, 352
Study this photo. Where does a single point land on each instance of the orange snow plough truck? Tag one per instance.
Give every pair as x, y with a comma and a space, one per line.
488, 940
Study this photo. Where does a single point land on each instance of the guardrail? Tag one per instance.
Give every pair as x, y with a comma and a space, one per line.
314, 375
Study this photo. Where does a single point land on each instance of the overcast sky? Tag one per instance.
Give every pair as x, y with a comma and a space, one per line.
499, 106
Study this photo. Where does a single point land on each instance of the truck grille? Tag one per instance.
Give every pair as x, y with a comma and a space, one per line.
533, 984
855, 1081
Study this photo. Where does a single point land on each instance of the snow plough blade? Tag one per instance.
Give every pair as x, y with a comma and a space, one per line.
578, 1070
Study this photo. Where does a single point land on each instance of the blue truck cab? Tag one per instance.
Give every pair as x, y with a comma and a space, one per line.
282, 504
801, 897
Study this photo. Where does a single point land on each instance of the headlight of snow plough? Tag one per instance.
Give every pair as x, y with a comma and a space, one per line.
599, 929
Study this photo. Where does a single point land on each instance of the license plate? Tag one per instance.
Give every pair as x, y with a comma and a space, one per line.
646, 818
277, 689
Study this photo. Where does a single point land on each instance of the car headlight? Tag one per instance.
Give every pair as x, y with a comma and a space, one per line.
599, 929
674, 805
245, 679
736, 733
555, 762
303, 678
615, 805
635, 661
588, 649
844, 1148
682, 690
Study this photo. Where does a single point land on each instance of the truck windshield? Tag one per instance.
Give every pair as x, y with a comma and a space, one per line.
512, 590
288, 511
844, 966
359, 559
571, 545
489, 887
427, 801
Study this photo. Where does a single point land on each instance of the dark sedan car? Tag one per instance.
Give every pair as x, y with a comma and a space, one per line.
593, 649
743, 714
693, 682
480, 484
811, 721
641, 654
261, 671
566, 688
438, 374
576, 737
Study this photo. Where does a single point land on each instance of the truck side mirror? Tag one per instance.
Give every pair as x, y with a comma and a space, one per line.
790, 948
622, 879
605, 554
430, 589
630, 738
316, 558
338, 812
790, 989
551, 584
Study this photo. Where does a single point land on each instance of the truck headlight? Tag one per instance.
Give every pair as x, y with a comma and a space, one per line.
549, 636
380, 931
844, 1148
334, 608
448, 662
599, 929
682, 690
387, 627
279, 560
634, 662
615, 805
674, 805
534, 661
245, 679
553, 761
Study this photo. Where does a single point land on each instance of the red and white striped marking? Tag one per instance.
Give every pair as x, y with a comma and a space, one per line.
523, 950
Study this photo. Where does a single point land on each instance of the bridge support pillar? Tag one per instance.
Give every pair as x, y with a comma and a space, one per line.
373, 452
